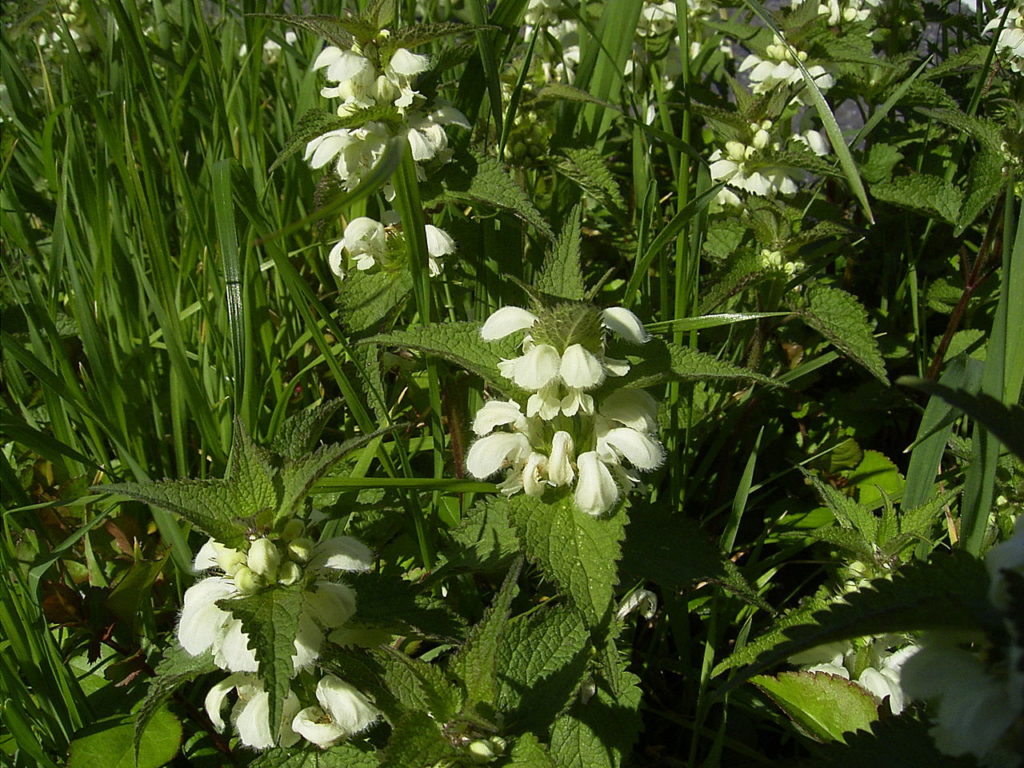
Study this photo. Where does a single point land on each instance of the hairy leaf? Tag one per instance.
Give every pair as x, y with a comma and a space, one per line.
662, 361
541, 660
589, 169
270, 618
528, 752
841, 319
922, 193
299, 433
339, 756
366, 299
251, 476
177, 668
848, 512
416, 742
484, 538
821, 705
476, 662
577, 552
562, 275
417, 685
418, 34
985, 180
461, 344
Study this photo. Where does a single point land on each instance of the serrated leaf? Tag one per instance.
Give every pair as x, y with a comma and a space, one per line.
461, 344
920, 520
894, 742
300, 432
853, 542
663, 361
416, 742
419, 686
388, 601
985, 131
366, 299
317, 122
270, 618
251, 476
177, 668
418, 34
339, 756
562, 274
948, 592
821, 705
110, 743
484, 538
298, 476
577, 552
847, 512
589, 169
212, 506
541, 660
922, 193
476, 179
841, 319
881, 159
674, 552
602, 731
333, 29
985, 180
528, 752
475, 664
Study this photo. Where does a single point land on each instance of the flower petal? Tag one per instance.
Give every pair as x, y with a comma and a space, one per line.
505, 321
536, 368
625, 324
315, 725
332, 604
596, 491
639, 449
202, 622
633, 408
489, 454
560, 471
579, 367
350, 710
341, 553
496, 413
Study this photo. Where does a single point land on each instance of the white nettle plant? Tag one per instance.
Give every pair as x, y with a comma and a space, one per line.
368, 243
363, 79
326, 607
565, 438
779, 66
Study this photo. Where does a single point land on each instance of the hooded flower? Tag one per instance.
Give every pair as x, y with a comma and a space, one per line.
343, 711
779, 67
251, 712
327, 605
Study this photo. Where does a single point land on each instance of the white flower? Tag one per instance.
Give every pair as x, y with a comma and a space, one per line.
205, 626
596, 490
1008, 556
251, 713
355, 151
439, 245
506, 321
343, 711
816, 141
541, 13
633, 408
536, 368
489, 454
625, 324
779, 67
496, 413
579, 368
1010, 42
560, 471
639, 449
657, 19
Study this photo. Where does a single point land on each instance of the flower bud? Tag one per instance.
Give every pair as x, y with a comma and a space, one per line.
293, 529
481, 751
300, 550
264, 558
230, 560
247, 581
289, 573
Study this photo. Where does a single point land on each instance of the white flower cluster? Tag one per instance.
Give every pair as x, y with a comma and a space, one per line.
742, 167
271, 48
1010, 42
778, 67
361, 81
368, 243
872, 663
848, 11
980, 706
564, 438
326, 607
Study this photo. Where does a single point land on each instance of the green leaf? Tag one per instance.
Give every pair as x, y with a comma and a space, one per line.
418, 34
126, 599
366, 299
841, 319
177, 668
417, 685
985, 180
848, 512
387, 600
337, 30
339, 756
298, 476
461, 344
110, 743
416, 742
251, 476
476, 179
484, 538
922, 193
589, 169
894, 742
602, 731
316, 123
821, 705
212, 506
661, 361
300, 432
880, 160
948, 592
475, 664
562, 274
853, 542
542, 659
576, 551
874, 479
528, 752
271, 620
